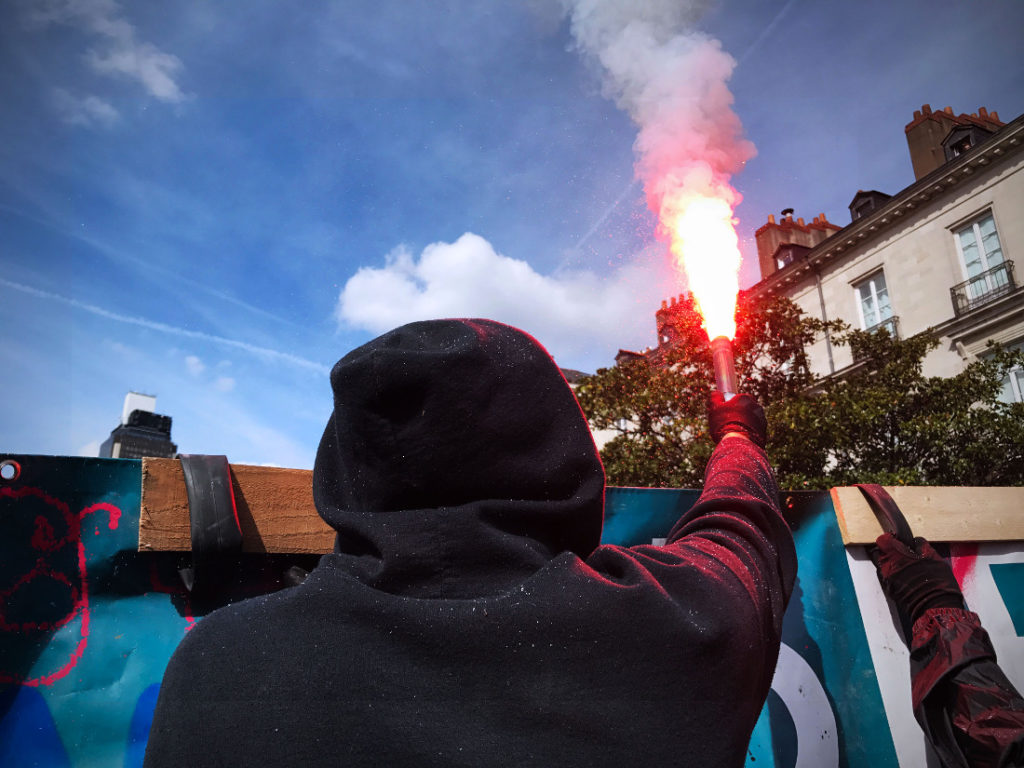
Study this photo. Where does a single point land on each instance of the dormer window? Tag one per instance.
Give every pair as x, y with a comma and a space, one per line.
867, 202
787, 253
961, 146
962, 139
863, 209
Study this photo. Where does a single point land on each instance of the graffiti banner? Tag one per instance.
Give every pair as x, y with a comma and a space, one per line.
88, 623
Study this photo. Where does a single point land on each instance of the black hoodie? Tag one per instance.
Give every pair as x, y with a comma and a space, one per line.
468, 615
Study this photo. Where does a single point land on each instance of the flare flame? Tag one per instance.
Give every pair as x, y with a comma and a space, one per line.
702, 237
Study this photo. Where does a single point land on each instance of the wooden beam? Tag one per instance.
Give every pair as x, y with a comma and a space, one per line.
938, 513
275, 510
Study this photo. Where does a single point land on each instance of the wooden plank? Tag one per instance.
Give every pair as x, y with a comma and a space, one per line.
275, 509
938, 513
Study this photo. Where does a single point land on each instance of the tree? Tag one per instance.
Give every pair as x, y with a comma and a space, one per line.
882, 422
893, 425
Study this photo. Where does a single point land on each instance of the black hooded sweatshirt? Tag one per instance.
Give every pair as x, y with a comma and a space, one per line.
468, 615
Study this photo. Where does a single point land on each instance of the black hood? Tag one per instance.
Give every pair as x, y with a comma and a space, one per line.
457, 461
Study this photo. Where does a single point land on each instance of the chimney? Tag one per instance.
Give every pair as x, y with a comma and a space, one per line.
927, 131
788, 231
924, 139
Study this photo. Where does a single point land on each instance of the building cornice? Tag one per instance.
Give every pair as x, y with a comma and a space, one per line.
994, 151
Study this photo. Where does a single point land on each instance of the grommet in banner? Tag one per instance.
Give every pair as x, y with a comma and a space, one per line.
9, 470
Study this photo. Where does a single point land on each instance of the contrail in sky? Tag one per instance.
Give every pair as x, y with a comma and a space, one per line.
141, 322
766, 32
576, 249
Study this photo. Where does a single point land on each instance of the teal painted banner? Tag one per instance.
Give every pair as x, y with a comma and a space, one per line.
825, 708
87, 623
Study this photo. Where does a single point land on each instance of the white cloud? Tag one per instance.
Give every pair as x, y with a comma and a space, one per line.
90, 449
224, 384
144, 62
194, 365
579, 316
88, 111
122, 53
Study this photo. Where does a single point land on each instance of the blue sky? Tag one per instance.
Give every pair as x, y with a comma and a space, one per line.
213, 202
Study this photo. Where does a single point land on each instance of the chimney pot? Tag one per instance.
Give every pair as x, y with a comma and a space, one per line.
771, 218
982, 111
994, 115
672, 301
926, 108
664, 304
800, 221
823, 219
917, 114
787, 213
948, 110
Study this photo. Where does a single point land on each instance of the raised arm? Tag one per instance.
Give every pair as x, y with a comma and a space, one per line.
738, 515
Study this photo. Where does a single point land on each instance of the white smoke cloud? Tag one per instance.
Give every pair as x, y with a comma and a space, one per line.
672, 80
581, 317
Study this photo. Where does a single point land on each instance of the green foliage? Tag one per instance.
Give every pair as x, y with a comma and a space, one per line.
883, 421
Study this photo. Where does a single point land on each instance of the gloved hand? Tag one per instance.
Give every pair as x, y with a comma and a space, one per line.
740, 414
914, 580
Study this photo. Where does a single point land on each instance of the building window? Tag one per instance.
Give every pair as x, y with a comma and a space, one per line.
863, 209
1013, 383
1013, 386
873, 302
981, 256
961, 146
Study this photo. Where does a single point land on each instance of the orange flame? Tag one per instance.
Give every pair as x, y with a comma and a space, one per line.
704, 243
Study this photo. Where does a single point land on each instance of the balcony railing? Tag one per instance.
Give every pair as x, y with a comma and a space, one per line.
890, 325
983, 288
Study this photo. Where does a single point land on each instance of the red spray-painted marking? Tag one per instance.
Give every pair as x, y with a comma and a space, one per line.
40, 569
176, 589
965, 558
44, 539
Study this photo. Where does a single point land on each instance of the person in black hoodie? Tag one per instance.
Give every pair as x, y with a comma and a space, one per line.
468, 615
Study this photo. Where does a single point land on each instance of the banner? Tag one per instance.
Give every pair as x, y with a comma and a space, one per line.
825, 707
88, 623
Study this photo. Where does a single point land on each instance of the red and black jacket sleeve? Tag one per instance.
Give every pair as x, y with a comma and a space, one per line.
971, 713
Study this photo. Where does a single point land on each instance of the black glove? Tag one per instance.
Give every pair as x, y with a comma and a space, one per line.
914, 580
740, 414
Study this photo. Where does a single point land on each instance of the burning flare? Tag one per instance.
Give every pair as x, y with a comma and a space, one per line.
703, 240
672, 79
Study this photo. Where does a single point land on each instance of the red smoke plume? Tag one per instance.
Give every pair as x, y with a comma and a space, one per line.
672, 80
